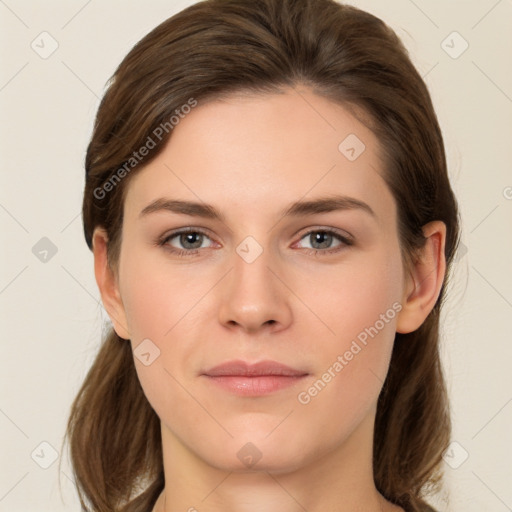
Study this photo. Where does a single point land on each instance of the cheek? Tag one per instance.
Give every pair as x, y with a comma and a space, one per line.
358, 306
354, 296
157, 309
164, 306
155, 298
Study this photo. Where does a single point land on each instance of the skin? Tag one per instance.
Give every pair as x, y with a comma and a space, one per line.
251, 156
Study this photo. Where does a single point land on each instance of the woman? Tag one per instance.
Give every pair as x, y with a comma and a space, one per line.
273, 226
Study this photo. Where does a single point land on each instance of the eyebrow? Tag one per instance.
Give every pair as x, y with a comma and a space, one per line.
297, 209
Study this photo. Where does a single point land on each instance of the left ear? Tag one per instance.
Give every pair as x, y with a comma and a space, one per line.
425, 279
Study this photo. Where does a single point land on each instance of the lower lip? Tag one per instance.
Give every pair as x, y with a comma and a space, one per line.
254, 386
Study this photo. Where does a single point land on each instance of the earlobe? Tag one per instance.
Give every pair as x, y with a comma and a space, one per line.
107, 284
423, 286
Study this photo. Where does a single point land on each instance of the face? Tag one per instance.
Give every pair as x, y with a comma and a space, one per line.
269, 271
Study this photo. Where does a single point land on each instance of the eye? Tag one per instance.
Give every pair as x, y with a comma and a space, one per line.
185, 242
189, 241
326, 241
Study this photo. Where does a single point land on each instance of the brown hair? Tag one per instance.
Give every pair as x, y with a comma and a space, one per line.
212, 49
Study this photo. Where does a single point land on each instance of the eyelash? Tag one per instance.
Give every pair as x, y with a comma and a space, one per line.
162, 242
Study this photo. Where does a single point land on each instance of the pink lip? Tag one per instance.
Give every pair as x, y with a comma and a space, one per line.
256, 379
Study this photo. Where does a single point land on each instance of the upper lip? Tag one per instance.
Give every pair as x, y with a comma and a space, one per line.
242, 368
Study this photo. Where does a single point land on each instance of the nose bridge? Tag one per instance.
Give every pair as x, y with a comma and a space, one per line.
253, 297
251, 264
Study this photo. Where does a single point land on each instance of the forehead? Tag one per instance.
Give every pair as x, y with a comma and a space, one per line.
252, 154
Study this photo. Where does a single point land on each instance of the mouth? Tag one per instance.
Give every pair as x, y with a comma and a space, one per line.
259, 379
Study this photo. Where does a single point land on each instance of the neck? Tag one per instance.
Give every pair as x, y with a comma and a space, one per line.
338, 480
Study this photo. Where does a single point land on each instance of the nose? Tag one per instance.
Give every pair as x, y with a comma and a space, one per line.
253, 296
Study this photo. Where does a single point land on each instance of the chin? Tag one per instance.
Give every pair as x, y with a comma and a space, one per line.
255, 450
248, 457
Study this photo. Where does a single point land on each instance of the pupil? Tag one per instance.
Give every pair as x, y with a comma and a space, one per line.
188, 238
323, 239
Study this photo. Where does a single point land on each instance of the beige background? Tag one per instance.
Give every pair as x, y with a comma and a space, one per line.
51, 319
